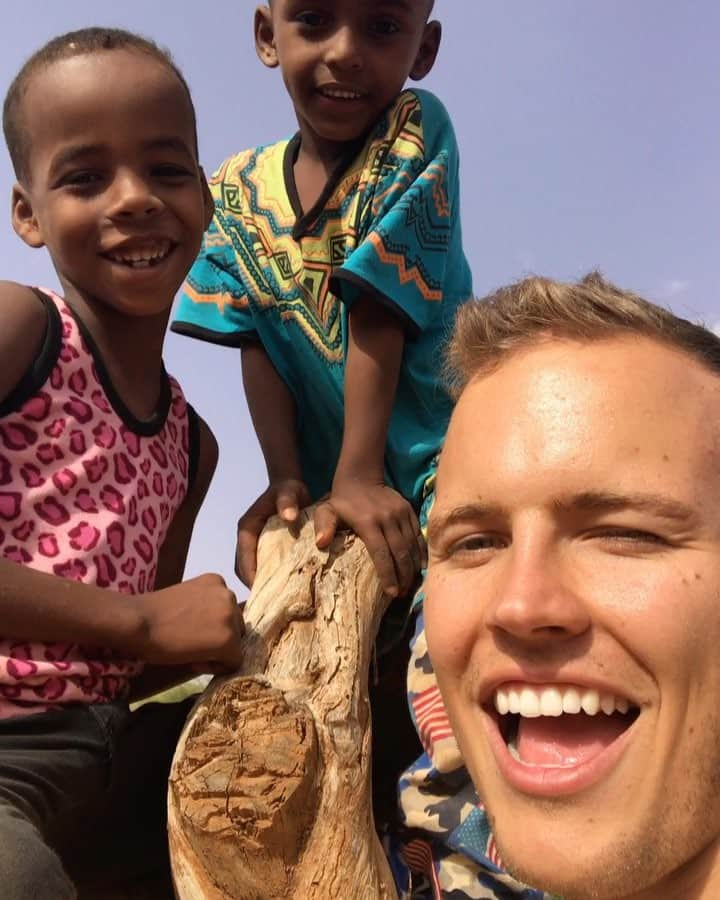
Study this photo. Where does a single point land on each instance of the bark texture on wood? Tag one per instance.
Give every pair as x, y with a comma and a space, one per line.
270, 787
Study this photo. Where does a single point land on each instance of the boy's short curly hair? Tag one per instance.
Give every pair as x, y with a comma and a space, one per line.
516, 317
429, 3
64, 46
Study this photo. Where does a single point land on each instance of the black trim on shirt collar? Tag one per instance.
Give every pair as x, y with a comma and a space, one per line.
193, 447
303, 220
144, 427
223, 339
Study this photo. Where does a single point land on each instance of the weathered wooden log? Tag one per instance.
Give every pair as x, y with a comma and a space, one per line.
270, 787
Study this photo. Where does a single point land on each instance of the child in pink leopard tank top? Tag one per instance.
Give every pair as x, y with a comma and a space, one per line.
103, 465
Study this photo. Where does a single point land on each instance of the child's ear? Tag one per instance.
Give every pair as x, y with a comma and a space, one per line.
426, 55
24, 220
208, 202
265, 37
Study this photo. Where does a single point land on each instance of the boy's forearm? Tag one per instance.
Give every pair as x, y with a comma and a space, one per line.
273, 413
41, 607
375, 348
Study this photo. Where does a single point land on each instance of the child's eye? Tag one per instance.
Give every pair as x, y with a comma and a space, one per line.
84, 178
311, 19
171, 170
384, 27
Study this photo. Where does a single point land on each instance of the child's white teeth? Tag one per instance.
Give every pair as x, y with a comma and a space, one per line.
532, 702
341, 95
142, 258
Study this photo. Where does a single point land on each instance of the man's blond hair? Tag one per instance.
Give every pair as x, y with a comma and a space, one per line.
487, 331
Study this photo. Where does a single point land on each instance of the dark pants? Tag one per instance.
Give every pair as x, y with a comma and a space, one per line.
395, 742
83, 798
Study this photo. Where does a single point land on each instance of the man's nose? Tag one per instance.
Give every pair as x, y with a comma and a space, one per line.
132, 195
344, 50
537, 597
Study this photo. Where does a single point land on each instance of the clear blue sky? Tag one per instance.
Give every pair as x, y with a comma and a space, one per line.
589, 136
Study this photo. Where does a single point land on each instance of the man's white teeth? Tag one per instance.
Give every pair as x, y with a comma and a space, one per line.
142, 258
532, 702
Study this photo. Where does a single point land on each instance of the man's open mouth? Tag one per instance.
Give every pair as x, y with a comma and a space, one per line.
560, 725
141, 256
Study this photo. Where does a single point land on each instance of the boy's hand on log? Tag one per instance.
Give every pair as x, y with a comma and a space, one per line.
284, 498
197, 621
384, 521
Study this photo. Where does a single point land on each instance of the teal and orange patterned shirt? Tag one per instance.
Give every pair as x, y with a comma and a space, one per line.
387, 226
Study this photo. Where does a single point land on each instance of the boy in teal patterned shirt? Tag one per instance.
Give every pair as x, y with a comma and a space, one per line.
335, 263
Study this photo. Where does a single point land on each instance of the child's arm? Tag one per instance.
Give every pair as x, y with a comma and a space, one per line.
23, 329
195, 622
171, 563
173, 553
383, 519
272, 408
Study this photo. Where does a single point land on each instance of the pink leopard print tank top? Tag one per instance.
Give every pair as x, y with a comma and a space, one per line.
87, 492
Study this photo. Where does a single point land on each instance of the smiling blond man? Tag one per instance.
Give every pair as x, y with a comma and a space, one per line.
573, 611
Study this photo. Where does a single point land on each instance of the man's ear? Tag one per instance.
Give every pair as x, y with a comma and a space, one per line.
265, 37
426, 55
208, 202
24, 220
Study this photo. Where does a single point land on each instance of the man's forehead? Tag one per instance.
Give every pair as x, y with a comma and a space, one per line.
620, 365
624, 404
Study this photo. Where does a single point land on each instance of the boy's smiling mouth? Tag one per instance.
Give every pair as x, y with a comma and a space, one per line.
341, 92
141, 255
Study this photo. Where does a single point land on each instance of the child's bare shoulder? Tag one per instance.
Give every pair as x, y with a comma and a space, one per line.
24, 322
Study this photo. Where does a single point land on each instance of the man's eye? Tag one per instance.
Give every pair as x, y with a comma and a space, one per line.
478, 544
630, 537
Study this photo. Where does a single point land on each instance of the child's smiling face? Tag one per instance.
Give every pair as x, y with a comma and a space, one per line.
345, 61
114, 190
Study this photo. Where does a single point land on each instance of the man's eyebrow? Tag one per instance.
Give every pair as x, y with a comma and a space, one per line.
468, 512
601, 501
588, 501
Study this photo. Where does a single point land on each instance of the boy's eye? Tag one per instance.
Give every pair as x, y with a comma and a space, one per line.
384, 27
171, 170
311, 19
80, 179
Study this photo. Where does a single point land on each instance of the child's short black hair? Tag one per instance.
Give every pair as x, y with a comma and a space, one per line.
72, 43
430, 5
